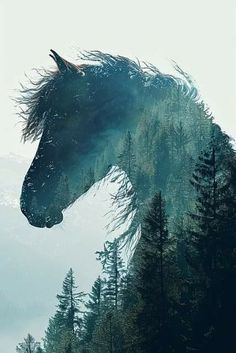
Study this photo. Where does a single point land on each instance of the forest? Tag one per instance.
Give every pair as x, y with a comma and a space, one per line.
178, 292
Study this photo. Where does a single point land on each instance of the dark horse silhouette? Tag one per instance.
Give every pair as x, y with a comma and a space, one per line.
81, 113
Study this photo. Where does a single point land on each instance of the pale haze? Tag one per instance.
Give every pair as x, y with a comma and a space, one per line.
198, 35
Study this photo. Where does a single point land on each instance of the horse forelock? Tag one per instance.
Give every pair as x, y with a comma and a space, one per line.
33, 99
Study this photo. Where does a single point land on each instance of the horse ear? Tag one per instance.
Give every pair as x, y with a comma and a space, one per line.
62, 64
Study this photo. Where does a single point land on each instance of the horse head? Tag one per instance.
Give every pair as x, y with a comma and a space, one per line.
76, 111
81, 113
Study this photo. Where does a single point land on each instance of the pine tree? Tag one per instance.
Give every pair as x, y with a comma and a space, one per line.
209, 190
162, 159
153, 270
29, 345
211, 251
113, 268
108, 334
94, 310
62, 334
69, 303
181, 139
108, 331
126, 158
53, 334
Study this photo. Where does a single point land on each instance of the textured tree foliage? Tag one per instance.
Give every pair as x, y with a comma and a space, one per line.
126, 158
53, 334
113, 268
153, 277
94, 310
62, 334
69, 304
212, 239
29, 345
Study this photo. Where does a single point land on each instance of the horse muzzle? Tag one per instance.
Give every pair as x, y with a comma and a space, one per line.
42, 219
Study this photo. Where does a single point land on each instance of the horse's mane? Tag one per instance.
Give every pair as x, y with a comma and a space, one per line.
34, 111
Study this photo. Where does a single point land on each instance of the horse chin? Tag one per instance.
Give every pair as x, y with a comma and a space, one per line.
52, 221
36, 223
45, 222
